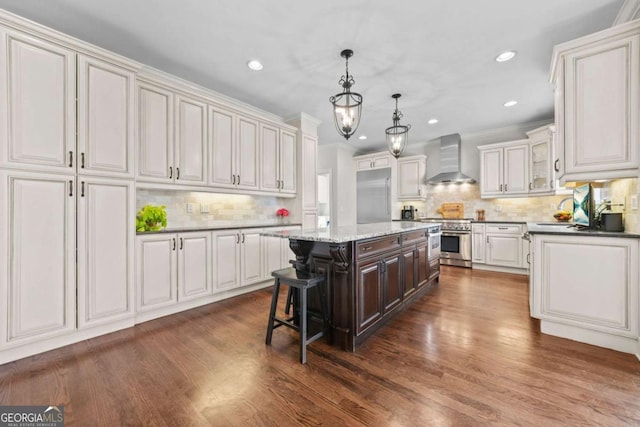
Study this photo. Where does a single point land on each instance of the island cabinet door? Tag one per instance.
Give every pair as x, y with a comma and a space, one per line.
422, 268
392, 282
368, 295
409, 267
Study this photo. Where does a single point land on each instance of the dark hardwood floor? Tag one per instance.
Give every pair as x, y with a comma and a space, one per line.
466, 354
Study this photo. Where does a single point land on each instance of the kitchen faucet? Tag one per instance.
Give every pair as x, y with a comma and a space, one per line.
563, 201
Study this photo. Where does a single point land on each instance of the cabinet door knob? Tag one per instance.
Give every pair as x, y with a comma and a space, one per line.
70, 159
170, 172
242, 237
237, 238
82, 160
556, 165
181, 242
82, 189
505, 188
70, 188
174, 244
500, 187
238, 179
177, 173
530, 186
233, 179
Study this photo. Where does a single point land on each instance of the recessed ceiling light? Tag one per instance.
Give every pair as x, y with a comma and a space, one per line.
510, 103
362, 137
255, 65
432, 121
506, 55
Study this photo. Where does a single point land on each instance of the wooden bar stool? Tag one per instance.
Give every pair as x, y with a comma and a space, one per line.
300, 281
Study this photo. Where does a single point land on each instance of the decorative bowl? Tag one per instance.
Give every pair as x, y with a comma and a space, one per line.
563, 216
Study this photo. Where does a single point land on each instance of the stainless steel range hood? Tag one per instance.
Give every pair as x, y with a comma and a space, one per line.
450, 162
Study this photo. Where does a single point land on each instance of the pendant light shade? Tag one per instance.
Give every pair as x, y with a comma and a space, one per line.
347, 105
397, 135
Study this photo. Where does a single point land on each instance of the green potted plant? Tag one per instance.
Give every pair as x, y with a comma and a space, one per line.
151, 218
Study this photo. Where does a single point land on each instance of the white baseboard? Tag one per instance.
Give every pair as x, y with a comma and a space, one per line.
601, 339
487, 267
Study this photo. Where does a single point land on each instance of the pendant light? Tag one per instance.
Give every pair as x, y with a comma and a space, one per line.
397, 135
347, 105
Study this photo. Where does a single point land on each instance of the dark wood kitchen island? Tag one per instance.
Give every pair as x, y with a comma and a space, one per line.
372, 270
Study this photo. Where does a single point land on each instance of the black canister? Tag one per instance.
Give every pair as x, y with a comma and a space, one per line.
610, 221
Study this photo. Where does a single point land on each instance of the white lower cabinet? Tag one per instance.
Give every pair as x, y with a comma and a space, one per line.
276, 252
504, 250
478, 243
194, 265
237, 258
172, 268
37, 256
66, 259
586, 288
105, 250
499, 246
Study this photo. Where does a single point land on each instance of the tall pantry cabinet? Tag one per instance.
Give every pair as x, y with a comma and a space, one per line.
66, 190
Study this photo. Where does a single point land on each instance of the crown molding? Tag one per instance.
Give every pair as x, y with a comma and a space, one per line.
629, 11
31, 28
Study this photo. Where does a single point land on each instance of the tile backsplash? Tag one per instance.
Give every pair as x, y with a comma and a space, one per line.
224, 209
527, 209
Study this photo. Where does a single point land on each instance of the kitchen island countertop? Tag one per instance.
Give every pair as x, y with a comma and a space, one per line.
353, 232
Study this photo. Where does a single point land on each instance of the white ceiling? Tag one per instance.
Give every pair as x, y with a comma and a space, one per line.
439, 54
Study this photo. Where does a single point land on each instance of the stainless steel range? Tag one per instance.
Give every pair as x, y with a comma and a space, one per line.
455, 247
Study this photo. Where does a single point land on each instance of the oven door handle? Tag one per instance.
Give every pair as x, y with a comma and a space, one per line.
455, 233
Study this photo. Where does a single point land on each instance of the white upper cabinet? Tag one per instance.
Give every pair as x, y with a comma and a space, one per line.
234, 148
373, 161
190, 152
412, 177
172, 146
504, 169
541, 174
516, 169
247, 150
105, 118
155, 140
278, 159
598, 99
105, 250
270, 155
491, 172
287, 162
37, 104
222, 147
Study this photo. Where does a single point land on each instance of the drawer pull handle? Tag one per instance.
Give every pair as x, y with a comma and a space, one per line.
503, 228
556, 165
70, 159
367, 248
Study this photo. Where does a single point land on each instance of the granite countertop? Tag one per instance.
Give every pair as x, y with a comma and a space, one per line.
352, 233
498, 222
223, 226
568, 229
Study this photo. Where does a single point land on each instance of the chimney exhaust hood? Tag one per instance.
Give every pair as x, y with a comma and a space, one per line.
450, 162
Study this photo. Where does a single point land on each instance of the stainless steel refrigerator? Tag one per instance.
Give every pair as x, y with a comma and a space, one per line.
373, 195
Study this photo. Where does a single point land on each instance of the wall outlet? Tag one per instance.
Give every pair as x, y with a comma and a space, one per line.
204, 208
634, 202
189, 207
498, 208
